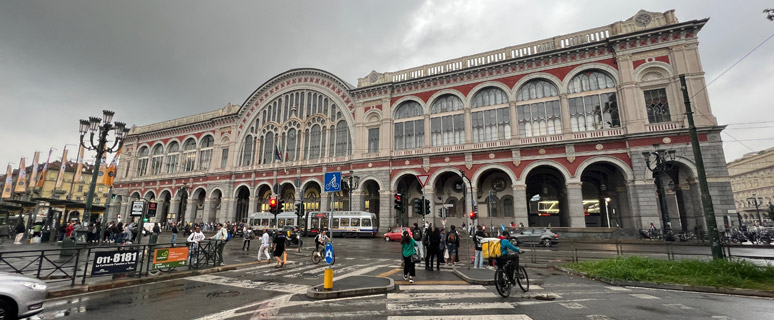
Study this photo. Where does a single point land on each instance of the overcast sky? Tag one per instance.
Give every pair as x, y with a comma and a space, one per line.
151, 61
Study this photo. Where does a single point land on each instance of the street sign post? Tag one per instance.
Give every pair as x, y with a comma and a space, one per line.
332, 181
138, 207
329, 256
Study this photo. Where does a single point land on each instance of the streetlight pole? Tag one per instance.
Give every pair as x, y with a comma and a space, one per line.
659, 166
757, 209
93, 126
351, 187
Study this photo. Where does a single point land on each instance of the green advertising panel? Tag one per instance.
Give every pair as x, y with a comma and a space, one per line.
170, 257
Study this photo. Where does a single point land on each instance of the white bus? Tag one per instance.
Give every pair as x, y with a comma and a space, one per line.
263, 220
343, 223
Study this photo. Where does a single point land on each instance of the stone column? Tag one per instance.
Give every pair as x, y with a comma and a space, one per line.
190, 210
468, 124
386, 212
520, 208
205, 217
227, 210
251, 206
564, 104
173, 206
325, 199
575, 205
357, 200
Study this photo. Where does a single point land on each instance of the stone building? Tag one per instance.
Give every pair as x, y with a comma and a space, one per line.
547, 133
752, 180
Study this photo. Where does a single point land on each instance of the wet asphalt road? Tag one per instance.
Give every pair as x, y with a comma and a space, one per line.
262, 292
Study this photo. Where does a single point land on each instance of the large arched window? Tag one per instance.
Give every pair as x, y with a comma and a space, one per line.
314, 137
142, 162
538, 109
592, 102
447, 123
268, 147
493, 122
157, 156
342, 139
173, 154
247, 151
189, 155
292, 144
205, 152
409, 126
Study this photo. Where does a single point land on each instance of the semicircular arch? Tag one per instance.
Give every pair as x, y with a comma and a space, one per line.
493, 166
399, 175
618, 163
550, 163
468, 101
610, 71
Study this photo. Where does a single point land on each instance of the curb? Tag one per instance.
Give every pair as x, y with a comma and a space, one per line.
672, 286
133, 281
490, 282
316, 293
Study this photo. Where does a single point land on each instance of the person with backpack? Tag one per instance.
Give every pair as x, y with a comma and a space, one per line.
174, 232
506, 244
418, 239
434, 251
248, 235
452, 243
408, 245
478, 260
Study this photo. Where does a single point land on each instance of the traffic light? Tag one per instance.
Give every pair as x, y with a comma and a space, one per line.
300, 209
273, 205
417, 208
427, 206
398, 202
146, 219
473, 215
440, 213
280, 206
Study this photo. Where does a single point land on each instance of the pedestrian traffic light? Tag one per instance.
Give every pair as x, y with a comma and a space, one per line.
146, 219
427, 206
398, 202
417, 208
273, 205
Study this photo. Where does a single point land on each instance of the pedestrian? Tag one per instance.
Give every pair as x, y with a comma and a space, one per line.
156, 228
186, 230
126, 235
194, 238
279, 249
174, 233
521, 225
264, 246
220, 238
435, 249
247, 236
478, 260
417, 233
408, 245
452, 243
69, 229
19, 232
443, 254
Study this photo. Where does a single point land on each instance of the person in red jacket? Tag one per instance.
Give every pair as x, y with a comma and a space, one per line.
69, 229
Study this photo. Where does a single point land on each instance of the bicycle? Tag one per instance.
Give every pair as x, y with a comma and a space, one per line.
317, 255
519, 276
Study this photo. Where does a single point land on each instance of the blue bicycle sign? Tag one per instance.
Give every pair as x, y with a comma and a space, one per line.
332, 181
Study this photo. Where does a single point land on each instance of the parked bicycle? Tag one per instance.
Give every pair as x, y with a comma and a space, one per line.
503, 283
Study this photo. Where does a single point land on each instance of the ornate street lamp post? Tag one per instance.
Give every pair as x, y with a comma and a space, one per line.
659, 162
757, 201
93, 126
352, 179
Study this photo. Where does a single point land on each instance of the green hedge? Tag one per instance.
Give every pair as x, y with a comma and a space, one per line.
715, 273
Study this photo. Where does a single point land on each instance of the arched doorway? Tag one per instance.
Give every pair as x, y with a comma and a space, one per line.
311, 196
163, 210
408, 186
242, 203
449, 196
494, 197
547, 198
262, 196
370, 191
605, 196
288, 194
683, 198
340, 201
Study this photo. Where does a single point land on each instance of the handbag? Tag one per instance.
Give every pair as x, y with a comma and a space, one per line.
415, 257
446, 253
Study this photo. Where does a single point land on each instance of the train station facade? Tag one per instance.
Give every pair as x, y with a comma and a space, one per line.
548, 133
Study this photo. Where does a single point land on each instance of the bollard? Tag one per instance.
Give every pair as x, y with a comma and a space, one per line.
328, 280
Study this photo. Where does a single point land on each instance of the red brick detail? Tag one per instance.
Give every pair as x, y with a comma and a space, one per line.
637, 63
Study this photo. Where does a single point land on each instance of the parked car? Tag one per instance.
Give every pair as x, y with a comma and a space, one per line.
396, 233
20, 296
539, 236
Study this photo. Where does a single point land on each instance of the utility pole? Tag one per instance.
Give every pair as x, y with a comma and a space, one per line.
706, 199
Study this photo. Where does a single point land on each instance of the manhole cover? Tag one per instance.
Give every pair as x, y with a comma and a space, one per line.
220, 294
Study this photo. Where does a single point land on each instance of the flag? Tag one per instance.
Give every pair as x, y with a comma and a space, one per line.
103, 167
277, 152
60, 177
110, 175
21, 179
8, 186
78, 170
34, 177
45, 169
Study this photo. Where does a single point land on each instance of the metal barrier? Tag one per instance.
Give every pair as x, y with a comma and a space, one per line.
130, 260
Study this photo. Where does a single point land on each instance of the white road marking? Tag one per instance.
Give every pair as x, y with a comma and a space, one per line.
478, 316
269, 305
618, 289
449, 306
299, 271
249, 284
643, 296
679, 306
722, 318
460, 288
598, 317
440, 295
572, 305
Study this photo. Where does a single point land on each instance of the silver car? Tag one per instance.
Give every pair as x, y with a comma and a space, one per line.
536, 235
20, 296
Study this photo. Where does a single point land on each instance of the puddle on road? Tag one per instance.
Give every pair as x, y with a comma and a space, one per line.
223, 294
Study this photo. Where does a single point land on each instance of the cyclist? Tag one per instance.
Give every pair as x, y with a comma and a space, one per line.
321, 239
506, 244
